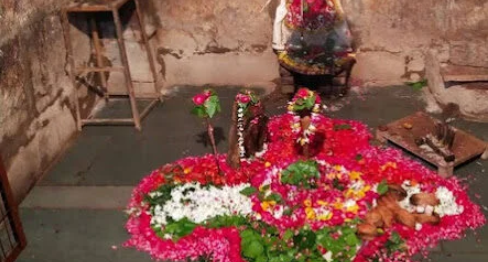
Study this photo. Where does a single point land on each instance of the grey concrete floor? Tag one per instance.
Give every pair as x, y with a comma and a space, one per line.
76, 211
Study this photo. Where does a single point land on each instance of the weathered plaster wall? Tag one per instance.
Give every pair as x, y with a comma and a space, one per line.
392, 37
36, 105
215, 42
228, 41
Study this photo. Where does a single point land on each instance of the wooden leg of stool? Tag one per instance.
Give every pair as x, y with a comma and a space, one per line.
98, 54
380, 136
145, 40
125, 64
71, 70
446, 169
484, 156
287, 81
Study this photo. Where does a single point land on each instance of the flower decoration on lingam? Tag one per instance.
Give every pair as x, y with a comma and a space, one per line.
248, 131
206, 106
305, 108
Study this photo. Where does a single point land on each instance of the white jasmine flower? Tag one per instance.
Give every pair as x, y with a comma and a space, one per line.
328, 256
448, 205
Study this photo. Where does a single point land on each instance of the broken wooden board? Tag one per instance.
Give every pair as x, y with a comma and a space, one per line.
457, 73
403, 133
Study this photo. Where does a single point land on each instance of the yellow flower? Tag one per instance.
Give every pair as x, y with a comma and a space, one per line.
389, 165
296, 125
338, 204
327, 216
338, 168
354, 175
267, 164
307, 202
290, 108
334, 175
187, 170
353, 208
265, 205
322, 203
310, 213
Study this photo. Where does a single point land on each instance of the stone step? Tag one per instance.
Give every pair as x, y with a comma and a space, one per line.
457, 73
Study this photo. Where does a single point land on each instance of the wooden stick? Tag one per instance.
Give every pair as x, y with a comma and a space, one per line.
125, 63
98, 54
210, 131
145, 40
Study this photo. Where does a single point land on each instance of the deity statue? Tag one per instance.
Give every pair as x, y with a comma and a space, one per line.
248, 132
311, 37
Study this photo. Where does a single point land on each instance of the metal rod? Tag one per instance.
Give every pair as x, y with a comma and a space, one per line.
71, 61
125, 63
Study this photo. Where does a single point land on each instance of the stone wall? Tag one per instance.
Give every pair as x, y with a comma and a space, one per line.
36, 96
392, 37
228, 41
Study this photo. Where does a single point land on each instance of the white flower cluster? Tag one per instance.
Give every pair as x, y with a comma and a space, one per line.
447, 206
199, 204
411, 190
240, 130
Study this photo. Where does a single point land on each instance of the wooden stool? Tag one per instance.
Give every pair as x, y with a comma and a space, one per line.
113, 6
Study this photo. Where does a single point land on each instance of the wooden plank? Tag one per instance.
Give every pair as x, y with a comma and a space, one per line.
125, 63
148, 108
108, 121
11, 217
465, 146
458, 73
96, 5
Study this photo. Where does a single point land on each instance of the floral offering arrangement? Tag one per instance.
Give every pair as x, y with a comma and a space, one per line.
311, 14
347, 201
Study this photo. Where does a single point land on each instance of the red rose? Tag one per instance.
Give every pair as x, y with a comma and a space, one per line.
317, 99
244, 99
199, 99
302, 92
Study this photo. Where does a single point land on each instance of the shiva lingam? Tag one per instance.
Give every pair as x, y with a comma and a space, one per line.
305, 108
248, 132
442, 139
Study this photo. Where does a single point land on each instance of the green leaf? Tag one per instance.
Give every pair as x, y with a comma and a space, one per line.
199, 111
359, 157
248, 191
253, 249
275, 197
306, 239
288, 235
212, 106
351, 240
342, 127
382, 187
418, 85
179, 228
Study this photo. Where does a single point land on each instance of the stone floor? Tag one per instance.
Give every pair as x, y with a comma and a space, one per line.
76, 212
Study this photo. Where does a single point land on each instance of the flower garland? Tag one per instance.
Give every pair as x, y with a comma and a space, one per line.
304, 100
244, 100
